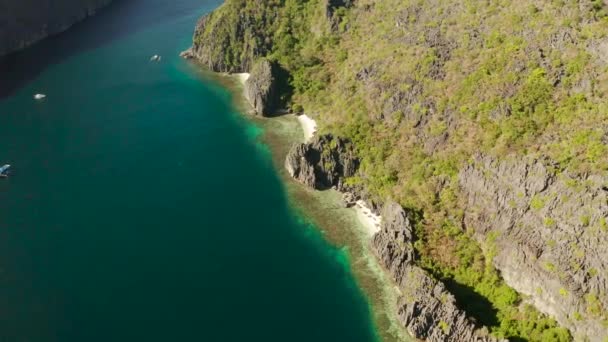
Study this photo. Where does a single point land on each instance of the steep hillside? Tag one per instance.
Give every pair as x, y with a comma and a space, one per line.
24, 22
486, 120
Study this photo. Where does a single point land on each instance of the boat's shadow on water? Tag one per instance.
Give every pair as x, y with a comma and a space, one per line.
119, 19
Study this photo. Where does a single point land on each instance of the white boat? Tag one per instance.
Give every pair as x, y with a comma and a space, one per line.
3, 170
39, 96
155, 58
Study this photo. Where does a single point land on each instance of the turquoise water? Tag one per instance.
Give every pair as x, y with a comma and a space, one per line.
141, 207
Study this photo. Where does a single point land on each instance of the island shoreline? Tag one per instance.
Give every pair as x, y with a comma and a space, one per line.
349, 227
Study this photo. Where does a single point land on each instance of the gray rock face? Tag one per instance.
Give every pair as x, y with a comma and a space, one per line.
426, 308
261, 90
323, 163
206, 52
220, 44
24, 22
551, 236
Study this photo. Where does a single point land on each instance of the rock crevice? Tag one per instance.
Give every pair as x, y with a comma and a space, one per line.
551, 235
323, 163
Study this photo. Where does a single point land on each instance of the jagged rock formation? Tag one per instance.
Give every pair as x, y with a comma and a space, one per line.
418, 88
207, 47
426, 308
551, 236
24, 22
323, 163
261, 86
231, 38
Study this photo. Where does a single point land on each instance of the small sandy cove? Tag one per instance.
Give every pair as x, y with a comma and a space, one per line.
309, 126
370, 221
243, 77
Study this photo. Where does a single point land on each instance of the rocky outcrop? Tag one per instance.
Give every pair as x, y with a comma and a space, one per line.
208, 46
235, 38
323, 163
232, 37
426, 308
551, 235
25, 22
261, 88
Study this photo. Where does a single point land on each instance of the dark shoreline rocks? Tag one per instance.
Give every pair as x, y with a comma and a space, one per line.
261, 88
425, 307
323, 163
25, 22
490, 191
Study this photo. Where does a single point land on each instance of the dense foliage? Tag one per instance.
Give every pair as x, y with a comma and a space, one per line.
422, 86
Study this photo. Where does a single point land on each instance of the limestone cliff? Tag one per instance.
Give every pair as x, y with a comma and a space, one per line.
487, 119
426, 308
550, 235
261, 88
231, 38
323, 163
24, 22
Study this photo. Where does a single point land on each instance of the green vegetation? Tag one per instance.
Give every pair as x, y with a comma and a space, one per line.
420, 87
444, 326
537, 203
239, 32
479, 288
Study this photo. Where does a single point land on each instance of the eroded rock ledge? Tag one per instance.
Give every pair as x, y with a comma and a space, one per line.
551, 236
426, 309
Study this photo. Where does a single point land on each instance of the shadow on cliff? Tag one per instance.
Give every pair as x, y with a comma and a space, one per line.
115, 21
474, 304
283, 89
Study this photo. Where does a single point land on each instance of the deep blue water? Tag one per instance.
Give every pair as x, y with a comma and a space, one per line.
141, 207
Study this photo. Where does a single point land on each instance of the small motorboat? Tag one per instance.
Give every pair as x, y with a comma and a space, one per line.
155, 58
4, 170
39, 96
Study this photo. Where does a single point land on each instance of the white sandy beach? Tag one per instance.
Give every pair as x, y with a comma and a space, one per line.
370, 221
309, 126
242, 77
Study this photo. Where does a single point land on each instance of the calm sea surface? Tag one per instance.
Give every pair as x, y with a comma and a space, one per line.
141, 206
